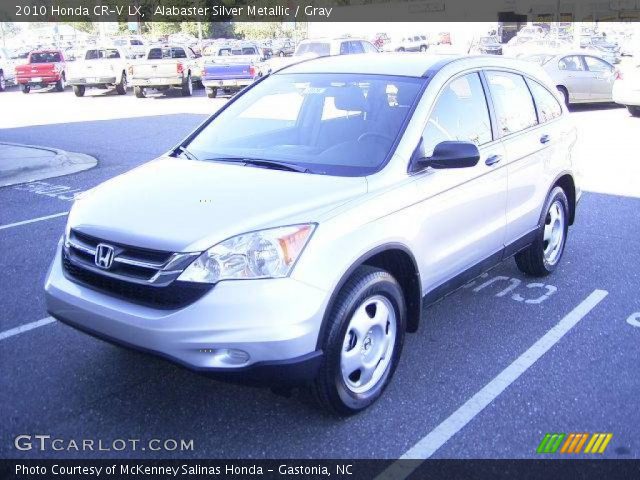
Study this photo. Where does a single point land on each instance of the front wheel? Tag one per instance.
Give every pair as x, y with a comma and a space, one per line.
635, 111
423, 48
60, 84
544, 254
79, 90
212, 92
362, 342
565, 95
139, 92
26, 88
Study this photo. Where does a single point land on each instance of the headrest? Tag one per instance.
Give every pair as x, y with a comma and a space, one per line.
349, 98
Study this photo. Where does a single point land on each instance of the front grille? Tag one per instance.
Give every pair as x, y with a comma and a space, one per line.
137, 274
174, 296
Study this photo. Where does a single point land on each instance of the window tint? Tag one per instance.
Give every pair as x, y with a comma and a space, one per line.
97, 54
369, 48
513, 102
460, 113
596, 65
160, 53
546, 103
573, 64
356, 47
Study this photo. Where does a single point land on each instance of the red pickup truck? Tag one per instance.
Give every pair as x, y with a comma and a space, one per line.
44, 67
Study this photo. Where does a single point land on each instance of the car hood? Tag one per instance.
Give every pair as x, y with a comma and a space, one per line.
179, 205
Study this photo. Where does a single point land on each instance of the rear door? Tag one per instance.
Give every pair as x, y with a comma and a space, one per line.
462, 214
602, 76
575, 77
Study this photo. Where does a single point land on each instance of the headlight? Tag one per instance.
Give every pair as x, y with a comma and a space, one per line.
265, 254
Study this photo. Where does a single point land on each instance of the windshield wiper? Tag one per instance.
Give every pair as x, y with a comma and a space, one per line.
187, 153
259, 162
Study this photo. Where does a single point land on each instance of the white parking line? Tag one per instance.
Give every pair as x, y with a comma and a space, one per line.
26, 327
428, 445
39, 219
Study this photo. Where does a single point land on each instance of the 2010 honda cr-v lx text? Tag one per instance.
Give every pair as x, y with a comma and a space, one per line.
295, 236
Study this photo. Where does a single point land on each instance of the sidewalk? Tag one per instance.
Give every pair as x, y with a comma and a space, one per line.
27, 163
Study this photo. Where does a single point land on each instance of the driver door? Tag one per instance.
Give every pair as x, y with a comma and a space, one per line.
462, 211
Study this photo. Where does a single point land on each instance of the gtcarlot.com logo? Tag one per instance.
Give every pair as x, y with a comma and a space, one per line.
574, 443
48, 443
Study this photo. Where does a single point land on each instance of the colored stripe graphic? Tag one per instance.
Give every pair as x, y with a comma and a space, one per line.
598, 443
543, 443
573, 443
581, 443
550, 443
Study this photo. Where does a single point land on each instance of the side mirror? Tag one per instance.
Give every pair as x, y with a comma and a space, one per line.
447, 154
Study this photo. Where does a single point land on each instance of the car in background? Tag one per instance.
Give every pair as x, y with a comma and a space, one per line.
322, 47
413, 43
607, 50
43, 68
231, 67
7, 69
100, 68
342, 195
626, 89
444, 38
489, 45
134, 47
580, 78
282, 48
165, 67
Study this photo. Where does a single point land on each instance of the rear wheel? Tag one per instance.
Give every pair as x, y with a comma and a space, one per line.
79, 90
3, 82
544, 254
633, 110
60, 84
362, 342
26, 88
281, 54
121, 87
423, 48
565, 95
187, 87
212, 92
139, 92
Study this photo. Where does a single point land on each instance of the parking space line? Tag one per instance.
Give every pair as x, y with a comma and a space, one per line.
435, 439
33, 220
26, 327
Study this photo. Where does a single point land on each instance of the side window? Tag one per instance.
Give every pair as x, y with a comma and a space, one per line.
344, 48
460, 113
369, 48
596, 65
546, 103
178, 53
513, 102
355, 47
572, 64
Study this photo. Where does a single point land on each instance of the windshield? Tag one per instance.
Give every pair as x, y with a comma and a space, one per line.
333, 124
321, 49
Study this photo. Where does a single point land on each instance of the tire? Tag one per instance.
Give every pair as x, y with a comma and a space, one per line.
3, 82
370, 293
79, 90
60, 84
187, 87
281, 54
26, 88
212, 92
423, 48
633, 110
543, 256
121, 87
139, 92
565, 94
401, 49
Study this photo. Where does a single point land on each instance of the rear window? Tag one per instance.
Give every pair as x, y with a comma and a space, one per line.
319, 48
46, 57
161, 53
546, 103
98, 54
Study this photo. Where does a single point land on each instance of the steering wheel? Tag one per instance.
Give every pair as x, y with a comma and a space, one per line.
381, 136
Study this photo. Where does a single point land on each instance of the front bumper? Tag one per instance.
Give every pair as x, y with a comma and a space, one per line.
92, 81
276, 322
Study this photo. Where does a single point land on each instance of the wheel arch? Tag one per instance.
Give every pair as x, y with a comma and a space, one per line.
567, 183
398, 260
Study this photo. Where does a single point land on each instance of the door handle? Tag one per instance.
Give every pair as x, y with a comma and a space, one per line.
493, 159
545, 139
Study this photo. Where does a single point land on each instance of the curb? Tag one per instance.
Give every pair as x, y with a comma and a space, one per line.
56, 164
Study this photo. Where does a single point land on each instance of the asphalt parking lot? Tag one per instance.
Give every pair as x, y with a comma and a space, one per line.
582, 377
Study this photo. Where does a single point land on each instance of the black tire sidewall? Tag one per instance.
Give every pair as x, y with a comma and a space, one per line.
375, 284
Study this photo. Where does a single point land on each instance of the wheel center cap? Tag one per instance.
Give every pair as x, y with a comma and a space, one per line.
367, 344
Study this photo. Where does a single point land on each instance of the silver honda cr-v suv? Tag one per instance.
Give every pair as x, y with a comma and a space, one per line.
295, 236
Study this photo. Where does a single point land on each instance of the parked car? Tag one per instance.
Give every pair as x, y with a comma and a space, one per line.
233, 67
489, 45
101, 68
7, 69
580, 78
282, 48
44, 68
296, 235
626, 89
413, 43
607, 50
165, 67
134, 47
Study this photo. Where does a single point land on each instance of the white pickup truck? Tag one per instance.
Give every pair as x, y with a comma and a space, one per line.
99, 67
7, 69
164, 67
